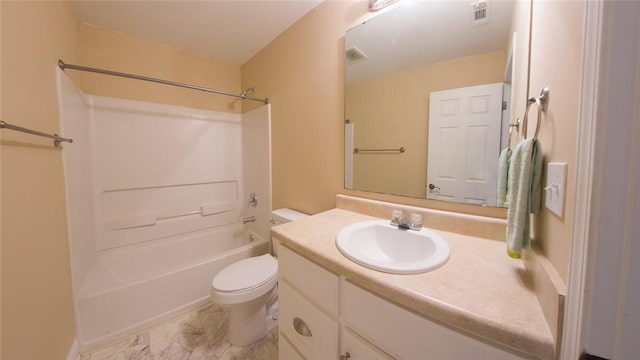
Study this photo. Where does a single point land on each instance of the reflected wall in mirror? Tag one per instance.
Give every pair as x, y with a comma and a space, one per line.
442, 80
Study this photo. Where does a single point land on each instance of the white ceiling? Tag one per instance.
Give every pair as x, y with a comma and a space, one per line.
231, 31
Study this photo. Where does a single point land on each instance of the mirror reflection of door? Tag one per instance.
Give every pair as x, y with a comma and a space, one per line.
410, 51
464, 141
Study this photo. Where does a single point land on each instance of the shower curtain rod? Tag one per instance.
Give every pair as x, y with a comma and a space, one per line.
243, 95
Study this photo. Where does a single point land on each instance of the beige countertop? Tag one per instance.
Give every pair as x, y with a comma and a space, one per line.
479, 290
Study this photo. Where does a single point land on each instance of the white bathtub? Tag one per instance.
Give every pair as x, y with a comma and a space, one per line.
130, 288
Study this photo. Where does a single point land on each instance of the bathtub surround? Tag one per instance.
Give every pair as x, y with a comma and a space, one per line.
155, 198
200, 334
256, 167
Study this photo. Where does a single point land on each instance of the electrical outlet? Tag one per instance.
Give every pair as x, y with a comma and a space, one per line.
555, 187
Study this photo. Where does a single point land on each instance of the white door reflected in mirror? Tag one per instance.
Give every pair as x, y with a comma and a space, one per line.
464, 143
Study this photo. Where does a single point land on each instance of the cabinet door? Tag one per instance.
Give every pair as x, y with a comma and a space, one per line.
406, 335
315, 282
311, 331
286, 351
353, 347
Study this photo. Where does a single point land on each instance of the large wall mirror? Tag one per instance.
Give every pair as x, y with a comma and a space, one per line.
430, 90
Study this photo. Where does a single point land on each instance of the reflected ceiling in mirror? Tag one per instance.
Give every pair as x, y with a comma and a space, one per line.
425, 60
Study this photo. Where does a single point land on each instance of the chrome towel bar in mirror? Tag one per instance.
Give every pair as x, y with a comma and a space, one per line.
399, 150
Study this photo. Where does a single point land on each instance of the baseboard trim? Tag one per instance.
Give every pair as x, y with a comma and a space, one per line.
74, 352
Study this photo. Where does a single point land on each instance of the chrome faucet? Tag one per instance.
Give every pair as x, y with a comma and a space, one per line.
402, 222
249, 219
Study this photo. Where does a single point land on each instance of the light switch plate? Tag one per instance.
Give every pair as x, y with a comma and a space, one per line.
555, 187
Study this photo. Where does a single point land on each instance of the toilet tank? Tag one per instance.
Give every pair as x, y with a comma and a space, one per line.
285, 215
281, 216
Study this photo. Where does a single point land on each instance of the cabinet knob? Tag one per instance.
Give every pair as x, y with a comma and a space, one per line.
345, 356
301, 327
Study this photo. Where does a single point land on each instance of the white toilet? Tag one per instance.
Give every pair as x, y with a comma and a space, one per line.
248, 288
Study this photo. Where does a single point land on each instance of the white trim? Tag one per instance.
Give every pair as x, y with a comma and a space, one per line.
629, 325
74, 352
600, 269
573, 338
607, 289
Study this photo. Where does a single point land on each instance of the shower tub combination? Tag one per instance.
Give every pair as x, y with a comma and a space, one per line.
128, 289
155, 198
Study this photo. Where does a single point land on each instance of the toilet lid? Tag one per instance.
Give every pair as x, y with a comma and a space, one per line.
246, 274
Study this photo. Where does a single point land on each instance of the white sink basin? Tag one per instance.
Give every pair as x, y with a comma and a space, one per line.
380, 246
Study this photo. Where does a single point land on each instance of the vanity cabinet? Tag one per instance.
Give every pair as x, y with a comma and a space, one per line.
308, 307
286, 350
406, 335
352, 346
325, 316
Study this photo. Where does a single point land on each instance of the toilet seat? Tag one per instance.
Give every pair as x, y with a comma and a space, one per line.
245, 280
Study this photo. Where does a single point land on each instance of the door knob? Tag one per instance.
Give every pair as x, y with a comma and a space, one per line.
345, 357
431, 187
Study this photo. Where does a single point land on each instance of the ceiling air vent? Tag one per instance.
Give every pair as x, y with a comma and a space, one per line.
354, 55
480, 12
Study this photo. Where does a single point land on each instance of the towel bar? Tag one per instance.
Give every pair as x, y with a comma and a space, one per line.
542, 102
358, 150
56, 138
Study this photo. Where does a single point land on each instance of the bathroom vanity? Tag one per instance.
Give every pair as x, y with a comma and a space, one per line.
478, 305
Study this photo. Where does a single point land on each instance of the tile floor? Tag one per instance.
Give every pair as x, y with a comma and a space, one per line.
198, 335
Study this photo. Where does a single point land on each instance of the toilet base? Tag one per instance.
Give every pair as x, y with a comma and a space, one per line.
251, 321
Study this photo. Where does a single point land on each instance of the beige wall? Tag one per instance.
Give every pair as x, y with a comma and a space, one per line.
557, 29
519, 46
302, 72
37, 309
377, 124
106, 49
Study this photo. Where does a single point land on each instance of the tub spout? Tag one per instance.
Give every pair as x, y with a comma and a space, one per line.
249, 219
